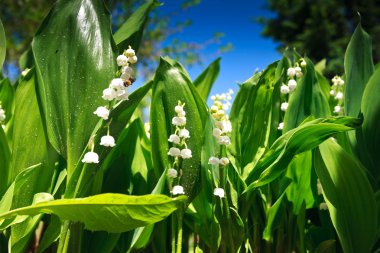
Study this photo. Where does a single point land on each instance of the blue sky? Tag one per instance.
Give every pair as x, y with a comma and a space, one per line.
234, 18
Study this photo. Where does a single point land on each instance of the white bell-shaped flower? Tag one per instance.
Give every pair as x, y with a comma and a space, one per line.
337, 109
284, 89
172, 173
224, 161
109, 94
174, 138
303, 63
339, 95
284, 106
107, 141
102, 112
186, 153
90, 157
216, 132
213, 160
280, 126
332, 92
184, 133
117, 84
174, 151
122, 94
126, 73
130, 52
291, 72
292, 84
2, 115
132, 59
224, 140
177, 190
179, 121
122, 60
219, 192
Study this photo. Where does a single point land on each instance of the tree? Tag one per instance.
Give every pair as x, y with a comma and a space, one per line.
321, 28
21, 25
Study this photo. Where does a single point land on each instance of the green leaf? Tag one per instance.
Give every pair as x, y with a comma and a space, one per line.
207, 78
358, 66
370, 129
130, 33
300, 190
5, 155
273, 220
170, 85
7, 93
308, 99
30, 147
114, 213
303, 138
349, 197
75, 60
3, 44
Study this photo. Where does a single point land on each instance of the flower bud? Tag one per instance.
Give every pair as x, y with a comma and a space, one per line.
172, 173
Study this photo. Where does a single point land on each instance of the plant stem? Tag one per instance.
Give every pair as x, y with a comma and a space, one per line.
64, 237
179, 235
173, 232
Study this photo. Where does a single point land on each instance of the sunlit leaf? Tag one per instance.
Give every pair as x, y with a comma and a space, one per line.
130, 33
114, 213
349, 197
207, 78
358, 67
303, 138
170, 85
75, 60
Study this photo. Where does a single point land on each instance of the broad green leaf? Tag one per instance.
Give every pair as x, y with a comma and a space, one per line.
16, 188
114, 213
358, 67
5, 155
3, 44
170, 85
320, 66
370, 129
303, 138
74, 57
207, 78
130, 33
30, 147
308, 99
300, 190
349, 197
127, 165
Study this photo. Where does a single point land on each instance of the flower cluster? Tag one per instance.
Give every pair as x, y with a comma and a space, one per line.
117, 90
337, 92
293, 74
179, 150
221, 131
219, 113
